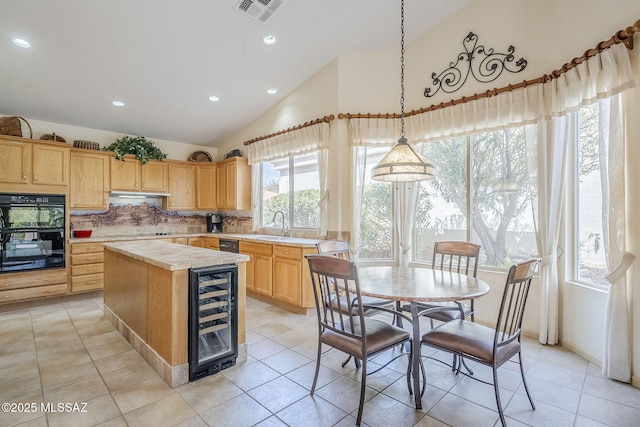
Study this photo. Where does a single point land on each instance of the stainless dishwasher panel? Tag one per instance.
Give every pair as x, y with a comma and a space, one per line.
229, 245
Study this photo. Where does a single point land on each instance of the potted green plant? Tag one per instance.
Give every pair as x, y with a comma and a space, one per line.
143, 148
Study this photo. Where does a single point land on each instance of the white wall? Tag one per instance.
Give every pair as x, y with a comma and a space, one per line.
547, 33
173, 149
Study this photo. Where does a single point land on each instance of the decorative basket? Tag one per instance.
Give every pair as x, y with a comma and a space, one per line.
88, 145
52, 137
200, 156
12, 126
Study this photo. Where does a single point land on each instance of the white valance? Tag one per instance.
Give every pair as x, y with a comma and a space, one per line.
292, 143
599, 77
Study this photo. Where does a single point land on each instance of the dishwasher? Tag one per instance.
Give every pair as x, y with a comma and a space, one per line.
229, 245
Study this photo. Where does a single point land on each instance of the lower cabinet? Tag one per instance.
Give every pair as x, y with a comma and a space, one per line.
212, 243
196, 241
259, 267
87, 266
31, 285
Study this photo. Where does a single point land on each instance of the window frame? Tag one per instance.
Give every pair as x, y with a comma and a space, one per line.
289, 216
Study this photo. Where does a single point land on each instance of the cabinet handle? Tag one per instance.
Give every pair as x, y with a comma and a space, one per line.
24, 177
93, 282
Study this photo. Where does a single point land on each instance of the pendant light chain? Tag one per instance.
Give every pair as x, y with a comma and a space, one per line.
402, 131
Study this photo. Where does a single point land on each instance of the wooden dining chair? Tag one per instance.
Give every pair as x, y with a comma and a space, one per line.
491, 346
348, 330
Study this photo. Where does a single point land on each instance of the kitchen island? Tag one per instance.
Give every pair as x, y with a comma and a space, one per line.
146, 297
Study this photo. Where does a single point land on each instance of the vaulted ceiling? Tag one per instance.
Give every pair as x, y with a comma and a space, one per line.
165, 58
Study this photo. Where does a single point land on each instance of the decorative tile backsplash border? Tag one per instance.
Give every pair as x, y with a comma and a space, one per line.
138, 219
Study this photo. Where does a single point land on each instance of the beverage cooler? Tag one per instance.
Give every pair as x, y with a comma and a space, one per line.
213, 319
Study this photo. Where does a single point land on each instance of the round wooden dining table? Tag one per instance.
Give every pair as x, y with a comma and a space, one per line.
418, 285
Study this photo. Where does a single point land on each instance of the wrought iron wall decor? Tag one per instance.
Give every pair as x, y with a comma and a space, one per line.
485, 65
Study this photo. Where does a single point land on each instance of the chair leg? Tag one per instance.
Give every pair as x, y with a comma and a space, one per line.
315, 377
524, 381
497, 391
363, 386
356, 361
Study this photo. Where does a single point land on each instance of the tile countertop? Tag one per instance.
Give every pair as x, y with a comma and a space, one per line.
259, 238
172, 256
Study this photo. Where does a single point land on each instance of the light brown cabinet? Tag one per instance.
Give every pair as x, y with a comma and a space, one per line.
50, 165
182, 179
89, 180
212, 243
233, 185
87, 266
131, 175
291, 278
154, 176
36, 164
30, 285
196, 241
206, 186
125, 174
259, 267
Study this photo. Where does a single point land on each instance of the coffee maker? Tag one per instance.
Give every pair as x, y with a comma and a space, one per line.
214, 223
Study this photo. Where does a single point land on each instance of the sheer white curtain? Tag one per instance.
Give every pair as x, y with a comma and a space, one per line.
601, 76
617, 353
359, 179
300, 141
547, 147
406, 201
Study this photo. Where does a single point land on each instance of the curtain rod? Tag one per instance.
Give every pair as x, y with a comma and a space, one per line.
623, 36
325, 119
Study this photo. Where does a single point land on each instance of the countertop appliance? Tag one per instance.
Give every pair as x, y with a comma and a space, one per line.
213, 319
32, 231
214, 223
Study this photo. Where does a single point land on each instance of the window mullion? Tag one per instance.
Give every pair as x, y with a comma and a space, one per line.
291, 191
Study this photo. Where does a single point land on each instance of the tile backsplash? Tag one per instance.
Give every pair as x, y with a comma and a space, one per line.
145, 218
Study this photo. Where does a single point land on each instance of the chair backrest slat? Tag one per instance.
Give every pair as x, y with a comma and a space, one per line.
335, 282
514, 300
459, 257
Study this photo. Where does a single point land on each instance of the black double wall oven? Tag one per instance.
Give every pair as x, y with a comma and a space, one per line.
32, 228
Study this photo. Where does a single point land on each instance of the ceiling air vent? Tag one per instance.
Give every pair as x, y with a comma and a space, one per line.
260, 10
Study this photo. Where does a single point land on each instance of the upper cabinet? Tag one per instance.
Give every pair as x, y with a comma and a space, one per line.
182, 186
155, 176
89, 186
125, 174
35, 164
234, 184
130, 175
206, 186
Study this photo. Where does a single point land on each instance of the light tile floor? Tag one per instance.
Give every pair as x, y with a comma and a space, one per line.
69, 353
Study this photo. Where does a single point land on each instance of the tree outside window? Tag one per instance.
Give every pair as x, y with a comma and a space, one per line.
292, 186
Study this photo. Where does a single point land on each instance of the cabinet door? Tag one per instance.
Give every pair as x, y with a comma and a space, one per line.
234, 184
286, 280
14, 162
196, 241
262, 276
50, 165
206, 186
221, 186
155, 176
182, 180
125, 174
89, 180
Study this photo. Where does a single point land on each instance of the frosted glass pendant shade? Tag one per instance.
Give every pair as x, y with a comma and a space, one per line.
402, 164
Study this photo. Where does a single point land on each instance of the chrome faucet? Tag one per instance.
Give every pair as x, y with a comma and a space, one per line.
274, 220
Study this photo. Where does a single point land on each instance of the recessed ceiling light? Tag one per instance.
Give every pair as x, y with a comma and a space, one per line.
117, 103
214, 98
272, 91
269, 39
22, 43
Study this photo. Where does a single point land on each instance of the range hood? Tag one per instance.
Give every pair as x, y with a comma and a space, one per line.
136, 194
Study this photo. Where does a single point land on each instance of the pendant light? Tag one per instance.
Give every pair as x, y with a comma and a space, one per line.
402, 163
